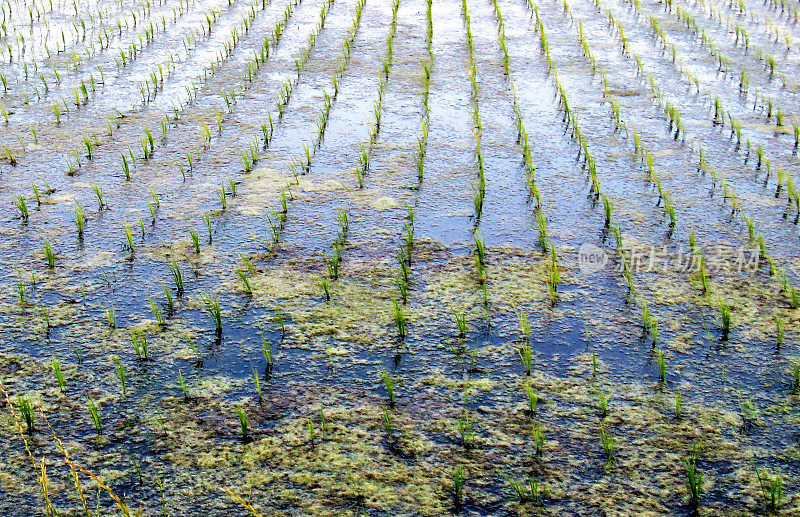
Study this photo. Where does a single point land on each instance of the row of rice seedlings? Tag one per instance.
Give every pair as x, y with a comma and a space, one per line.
377, 110
322, 123
405, 254
422, 141
480, 187
650, 325
742, 35
724, 309
333, 262
277, 224
522, 136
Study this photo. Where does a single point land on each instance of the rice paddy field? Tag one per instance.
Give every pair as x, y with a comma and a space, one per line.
399, 257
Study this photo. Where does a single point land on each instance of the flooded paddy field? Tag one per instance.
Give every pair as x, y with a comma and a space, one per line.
368, 257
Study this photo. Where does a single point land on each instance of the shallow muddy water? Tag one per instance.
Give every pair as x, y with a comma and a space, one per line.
410, 258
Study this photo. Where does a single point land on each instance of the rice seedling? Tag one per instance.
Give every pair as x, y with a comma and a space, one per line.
325, 284
257, 384
402, 287
195, 240
177, 277
80, 219
526, 356
533, 400
461, 322
771, 489
22, 206
678, 404
49, 255
9, 156
458, 487
389, 382
21, 291
111, 316
158, 314
694, 480
245, 282
266, 350
524, 325
608, 210
207, 220
662, 364
466, 431
538, 437
223, 197
99, 195
399, 319
59, 374
602, 404
608, 443
553, 276
121, 374
94, 412
747, 412
243, 424
726, 315
139, 344
212, 308
779, 331
525, 492
25, 408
